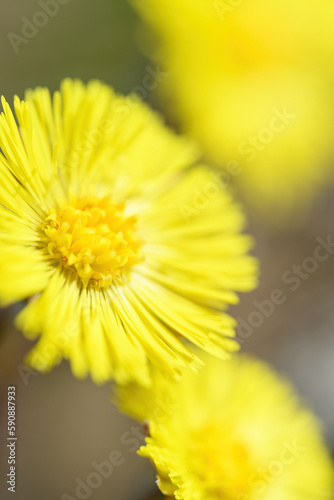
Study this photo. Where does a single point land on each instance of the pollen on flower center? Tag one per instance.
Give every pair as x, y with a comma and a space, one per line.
94, 238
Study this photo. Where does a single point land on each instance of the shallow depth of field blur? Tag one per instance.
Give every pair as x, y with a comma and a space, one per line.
64, 425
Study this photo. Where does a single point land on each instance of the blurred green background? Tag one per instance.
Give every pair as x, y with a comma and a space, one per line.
64, 425
84, 39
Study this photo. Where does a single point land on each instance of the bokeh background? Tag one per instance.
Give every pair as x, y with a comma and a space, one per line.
64, 425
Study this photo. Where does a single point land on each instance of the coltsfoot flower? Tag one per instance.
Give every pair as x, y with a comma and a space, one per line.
234, 431
125, 245
253, 82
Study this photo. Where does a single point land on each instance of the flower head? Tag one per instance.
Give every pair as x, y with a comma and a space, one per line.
124, 249
234, 431
252, 81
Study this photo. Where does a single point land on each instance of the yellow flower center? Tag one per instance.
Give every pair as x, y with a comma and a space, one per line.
94, 239
252, 45
224, 464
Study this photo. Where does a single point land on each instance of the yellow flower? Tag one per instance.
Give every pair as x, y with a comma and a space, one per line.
125, 249
253, 82
234, 431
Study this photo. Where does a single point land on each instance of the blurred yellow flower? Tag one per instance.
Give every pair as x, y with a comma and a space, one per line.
253, 82
128, 249
234, 431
